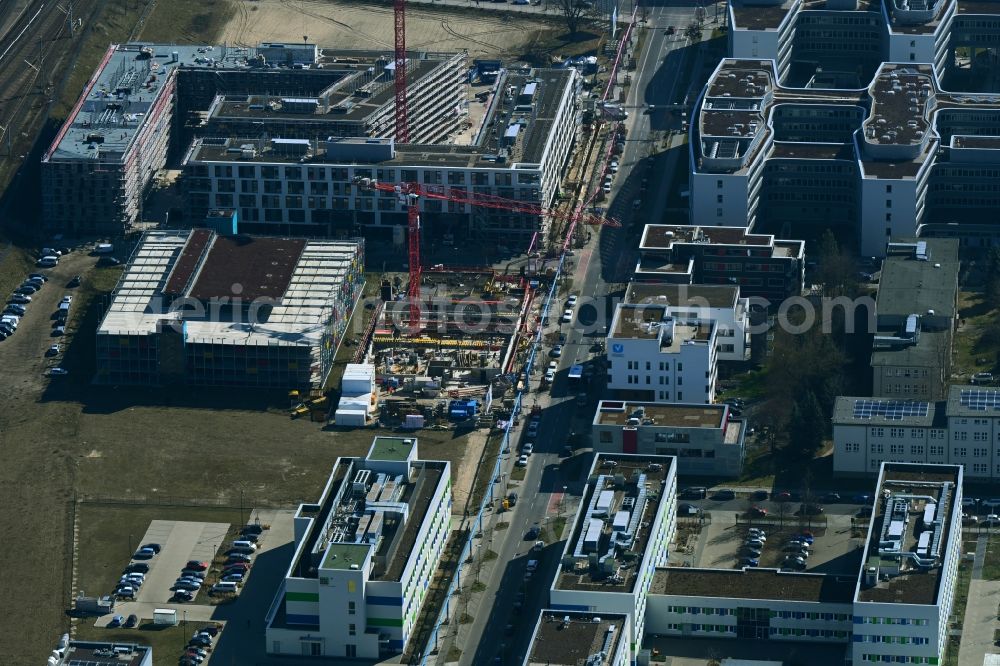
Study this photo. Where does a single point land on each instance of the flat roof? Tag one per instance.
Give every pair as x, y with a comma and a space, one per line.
901, 499
250, 267
345, 555
909, 285
682, 295
925, 353
557, 642
974, 401
616, 412
849, 410
633, 497
391, 541
900, 97
664, 236
970, 141
103, 653
391, 448
760, 16
187, 263
537, 123
752, 583
138, 306
813, 151
115, 103
977, 7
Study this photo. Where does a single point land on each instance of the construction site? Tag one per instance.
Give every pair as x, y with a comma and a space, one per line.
447, 362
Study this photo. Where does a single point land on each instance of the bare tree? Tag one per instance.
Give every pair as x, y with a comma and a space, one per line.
574, 12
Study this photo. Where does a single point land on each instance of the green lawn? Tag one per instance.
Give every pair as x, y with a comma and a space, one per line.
991, 565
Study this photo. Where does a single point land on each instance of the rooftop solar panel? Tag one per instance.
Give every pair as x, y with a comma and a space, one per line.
889, 409
980, 399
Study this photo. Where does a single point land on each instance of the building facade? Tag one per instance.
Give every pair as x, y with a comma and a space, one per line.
654, 358
705, 439
203, 308
281, 139
894, 610
628, 515
690, 304
958, 431
915, 319
871, 160
761, 266
364, 556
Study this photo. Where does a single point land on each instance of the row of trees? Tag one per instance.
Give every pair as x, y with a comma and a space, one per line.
807, 371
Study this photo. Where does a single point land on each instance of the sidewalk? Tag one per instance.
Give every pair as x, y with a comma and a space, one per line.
980, 613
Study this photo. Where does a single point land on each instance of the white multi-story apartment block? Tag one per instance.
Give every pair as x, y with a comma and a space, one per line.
620, 535
868, 159
894, 610
654, 358
963, 430
697, 303
705, 439
571, 638
364, 556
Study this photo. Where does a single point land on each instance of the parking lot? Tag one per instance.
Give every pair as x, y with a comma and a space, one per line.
182, 541
835, 547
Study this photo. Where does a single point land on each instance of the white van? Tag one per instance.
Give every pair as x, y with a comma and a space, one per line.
223, 588
249, 545
48, 261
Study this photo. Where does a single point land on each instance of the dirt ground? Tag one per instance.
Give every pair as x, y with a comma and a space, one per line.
347, 25
64, 437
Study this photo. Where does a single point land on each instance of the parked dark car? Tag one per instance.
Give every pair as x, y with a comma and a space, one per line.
759, 495
809, 510
132, 621
696, 492
724, 495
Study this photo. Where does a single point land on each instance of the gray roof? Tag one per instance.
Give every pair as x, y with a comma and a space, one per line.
911, 286
929, 351
714, 296
892, 413
974, 401
116, 102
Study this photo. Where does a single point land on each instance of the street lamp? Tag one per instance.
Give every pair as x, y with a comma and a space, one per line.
562, 501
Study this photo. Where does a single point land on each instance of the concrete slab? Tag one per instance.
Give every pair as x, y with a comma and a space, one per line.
181, 541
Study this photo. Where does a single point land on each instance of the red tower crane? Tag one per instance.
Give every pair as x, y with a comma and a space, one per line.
410, 193
402, 123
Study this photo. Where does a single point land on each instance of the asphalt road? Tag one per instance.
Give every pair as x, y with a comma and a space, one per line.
501, 628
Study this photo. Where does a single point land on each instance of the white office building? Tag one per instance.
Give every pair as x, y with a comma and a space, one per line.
698, 303
653, 357
364, 556
620, 535
963, 430
705, 439
891, 154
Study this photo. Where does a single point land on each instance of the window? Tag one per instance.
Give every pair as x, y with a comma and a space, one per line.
718, 184
888, 189
350, 650
352, 630
888, 217
718, 198
718, 212
352, 606
961, 452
